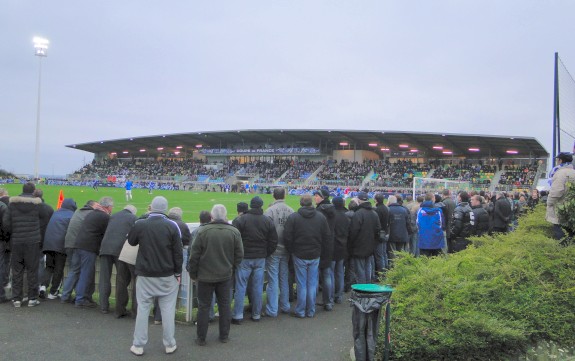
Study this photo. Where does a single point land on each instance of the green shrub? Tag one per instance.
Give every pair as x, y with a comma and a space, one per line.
489, 302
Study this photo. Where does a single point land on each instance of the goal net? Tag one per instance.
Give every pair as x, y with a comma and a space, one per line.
426, 185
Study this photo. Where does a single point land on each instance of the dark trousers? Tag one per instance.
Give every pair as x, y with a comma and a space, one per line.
4, 267
205, 292
430, 252
105, 286
125, 275
24, 258
55, 262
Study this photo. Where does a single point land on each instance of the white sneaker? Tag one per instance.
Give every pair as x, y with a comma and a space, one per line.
33, 303
171, 349
52, 296
25, 299
42, 292
138, 351
17, 304
8, 285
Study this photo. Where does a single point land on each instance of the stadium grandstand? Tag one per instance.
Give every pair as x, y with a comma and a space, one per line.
373, 160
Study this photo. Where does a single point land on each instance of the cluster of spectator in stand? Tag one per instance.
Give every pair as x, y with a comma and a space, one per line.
346, 172
519, 175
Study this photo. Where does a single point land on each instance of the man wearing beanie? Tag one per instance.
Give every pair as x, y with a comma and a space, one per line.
158, 267
260, 239
23, 219
323, 205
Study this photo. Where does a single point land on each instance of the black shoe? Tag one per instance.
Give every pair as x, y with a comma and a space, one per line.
224, 339
293, 314
236, 322
200, 342
85, 304
124, 314
328, 307
105, 311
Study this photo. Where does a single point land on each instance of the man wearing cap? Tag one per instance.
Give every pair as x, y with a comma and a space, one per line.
323, 205
260, 239
158, 267
363, 238
564, 173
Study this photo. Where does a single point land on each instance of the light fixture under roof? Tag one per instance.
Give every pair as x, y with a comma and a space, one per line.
372, 144
142, 150
179, 147
113, 153
125, 152
511, 151
199, 145
160, 148
404, 145
438, 147
385, 149
414, 150
473, 149
176, 153
344, 143
447, 152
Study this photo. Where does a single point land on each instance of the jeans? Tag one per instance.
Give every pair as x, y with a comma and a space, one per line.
87, 271
55, 262
24, 258
327, 286
125, 275
414, 244
380, 257
206, 291
362, 269
306, 275
277, 269
105, 287
339, 278
255, 268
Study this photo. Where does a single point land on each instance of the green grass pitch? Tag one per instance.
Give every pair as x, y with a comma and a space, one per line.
191, 202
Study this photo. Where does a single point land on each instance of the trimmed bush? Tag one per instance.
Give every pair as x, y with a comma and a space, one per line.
489, 302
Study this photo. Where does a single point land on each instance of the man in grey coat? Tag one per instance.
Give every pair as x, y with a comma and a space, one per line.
565, 173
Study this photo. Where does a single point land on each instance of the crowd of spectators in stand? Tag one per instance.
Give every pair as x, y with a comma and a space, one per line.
345, 172
519, 175
385, 174
300, 170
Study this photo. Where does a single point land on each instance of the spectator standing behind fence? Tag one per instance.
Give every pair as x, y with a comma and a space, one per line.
480, 215
54, 247
430, 227
216, 250
323, 205
380, 254
117, 231
88, 244
277, 263
70, 246
259, 238
4, 253
363, 238
399, 227
306, 232
158, 267
340, 253
125, 275
23, 220
501, 214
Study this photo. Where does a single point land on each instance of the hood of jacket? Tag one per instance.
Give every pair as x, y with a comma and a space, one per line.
365, 205
327, 209
429, 206
307, 212
69, 204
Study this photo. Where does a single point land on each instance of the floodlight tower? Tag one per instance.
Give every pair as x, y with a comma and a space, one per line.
41, 51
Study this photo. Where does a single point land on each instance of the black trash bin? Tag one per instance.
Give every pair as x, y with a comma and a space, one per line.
367, 301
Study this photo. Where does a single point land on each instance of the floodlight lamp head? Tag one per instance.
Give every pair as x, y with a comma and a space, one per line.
41, 46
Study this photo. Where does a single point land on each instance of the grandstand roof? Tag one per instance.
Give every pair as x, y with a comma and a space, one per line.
460, 144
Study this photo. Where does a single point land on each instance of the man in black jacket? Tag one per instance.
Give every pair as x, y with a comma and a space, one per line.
158, 267
23, 220
363, 238
260, 239
462, 223
380, 254
305, 233
481, 217
501, 214
321, 198
340, 247
4, 247
88, 243
117, 231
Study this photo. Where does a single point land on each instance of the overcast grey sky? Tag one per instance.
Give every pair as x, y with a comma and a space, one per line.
127, 68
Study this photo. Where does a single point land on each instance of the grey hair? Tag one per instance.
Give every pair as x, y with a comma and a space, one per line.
219, 213
175, 212
131, 208
3, 192
106, 202
391, 200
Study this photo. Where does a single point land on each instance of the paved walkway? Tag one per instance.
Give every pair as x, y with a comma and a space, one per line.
55, 331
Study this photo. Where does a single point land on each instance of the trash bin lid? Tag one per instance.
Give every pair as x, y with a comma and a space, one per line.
371, 287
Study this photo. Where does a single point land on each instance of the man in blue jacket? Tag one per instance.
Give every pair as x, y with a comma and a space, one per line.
430, 227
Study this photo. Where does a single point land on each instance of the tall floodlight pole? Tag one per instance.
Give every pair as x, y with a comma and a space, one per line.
41, 51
